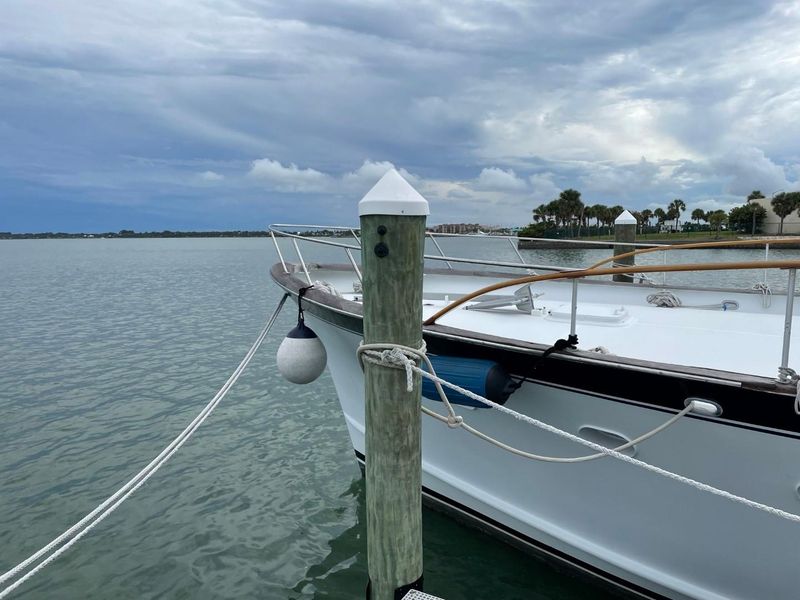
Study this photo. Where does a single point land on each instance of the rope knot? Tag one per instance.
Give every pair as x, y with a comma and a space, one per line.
787, 375
397, 358
394, 357
454, 421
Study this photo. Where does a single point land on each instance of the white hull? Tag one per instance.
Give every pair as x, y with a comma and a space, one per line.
610, 517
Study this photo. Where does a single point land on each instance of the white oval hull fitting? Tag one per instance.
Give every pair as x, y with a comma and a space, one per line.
651, 535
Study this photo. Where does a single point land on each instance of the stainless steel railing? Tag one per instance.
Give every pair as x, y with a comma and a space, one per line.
279, 230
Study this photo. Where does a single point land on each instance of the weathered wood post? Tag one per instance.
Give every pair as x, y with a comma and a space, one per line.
392, 246
624, 231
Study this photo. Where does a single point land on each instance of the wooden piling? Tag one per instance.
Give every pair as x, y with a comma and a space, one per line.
624, 231
393, 239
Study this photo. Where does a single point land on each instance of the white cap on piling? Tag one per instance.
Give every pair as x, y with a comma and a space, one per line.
393, 195
625, 218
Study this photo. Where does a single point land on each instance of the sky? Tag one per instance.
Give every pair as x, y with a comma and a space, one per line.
233, 114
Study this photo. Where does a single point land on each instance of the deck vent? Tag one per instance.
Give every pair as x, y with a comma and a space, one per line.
594, 314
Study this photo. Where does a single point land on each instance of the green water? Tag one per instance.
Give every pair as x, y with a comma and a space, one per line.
108, 348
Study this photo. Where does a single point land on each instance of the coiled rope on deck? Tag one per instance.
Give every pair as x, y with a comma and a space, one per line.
403, 357
666, 299
82, 527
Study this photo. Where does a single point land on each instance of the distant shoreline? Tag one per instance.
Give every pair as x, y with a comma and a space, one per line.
128, 234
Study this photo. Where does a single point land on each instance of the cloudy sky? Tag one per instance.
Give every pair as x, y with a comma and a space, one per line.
228, 114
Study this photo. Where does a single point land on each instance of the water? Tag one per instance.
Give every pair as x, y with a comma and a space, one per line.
110, 347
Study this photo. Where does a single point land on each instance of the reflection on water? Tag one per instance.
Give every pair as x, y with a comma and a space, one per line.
343, 572
459, 563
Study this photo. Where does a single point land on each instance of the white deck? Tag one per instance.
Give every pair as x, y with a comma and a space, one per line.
617, 317
739, 341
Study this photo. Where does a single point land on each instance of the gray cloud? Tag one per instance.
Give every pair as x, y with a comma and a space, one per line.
492, 107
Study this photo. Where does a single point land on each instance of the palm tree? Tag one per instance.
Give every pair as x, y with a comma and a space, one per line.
608, 218
660, 215
599, 213
783, 205
672, 214
588, 213
639, 219
677, 205
570, 206
754, 195
540, 213
613, 213
552, 211
698, 214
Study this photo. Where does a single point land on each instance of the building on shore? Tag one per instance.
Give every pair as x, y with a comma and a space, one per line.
456, 228
771, 225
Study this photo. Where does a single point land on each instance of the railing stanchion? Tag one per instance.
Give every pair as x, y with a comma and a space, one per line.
302, 262
766, 258
439, 248
353, 262
664, 274
787, 323
278, 250
573, 317
514, 246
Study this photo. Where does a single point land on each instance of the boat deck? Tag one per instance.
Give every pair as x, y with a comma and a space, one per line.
747, 339
732, 340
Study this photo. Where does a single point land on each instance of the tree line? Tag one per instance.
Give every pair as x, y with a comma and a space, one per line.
569, 215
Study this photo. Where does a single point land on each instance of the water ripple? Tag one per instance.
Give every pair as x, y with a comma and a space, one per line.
109, 349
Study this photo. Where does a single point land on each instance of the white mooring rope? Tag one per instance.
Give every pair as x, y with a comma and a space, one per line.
790, 376
403, 357
766, 293
82, 527
797, 400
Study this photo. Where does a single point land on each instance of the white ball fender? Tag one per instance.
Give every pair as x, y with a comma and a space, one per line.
301, 355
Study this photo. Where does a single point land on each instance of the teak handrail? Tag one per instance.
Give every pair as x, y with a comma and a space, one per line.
696, 245
594, 271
